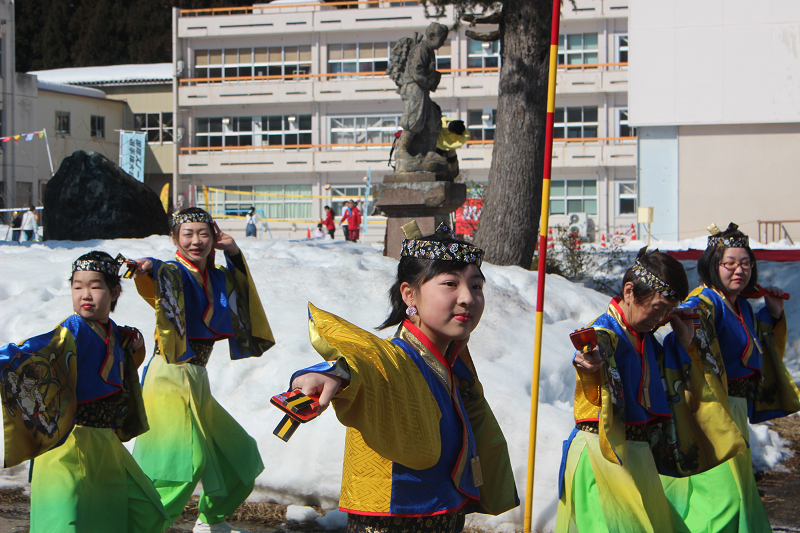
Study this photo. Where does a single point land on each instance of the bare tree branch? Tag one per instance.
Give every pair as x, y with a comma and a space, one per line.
494, 18
484, 37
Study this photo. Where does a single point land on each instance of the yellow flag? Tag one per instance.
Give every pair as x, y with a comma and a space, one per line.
165, 197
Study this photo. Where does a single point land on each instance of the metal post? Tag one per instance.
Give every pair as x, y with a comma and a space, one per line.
49, 157
537, 350
367, 193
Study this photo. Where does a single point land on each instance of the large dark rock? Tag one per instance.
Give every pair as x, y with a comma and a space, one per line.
90, 197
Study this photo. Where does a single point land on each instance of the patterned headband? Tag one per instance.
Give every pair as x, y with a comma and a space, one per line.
654, 282
441, 251
106, 266
716, 238
191, 217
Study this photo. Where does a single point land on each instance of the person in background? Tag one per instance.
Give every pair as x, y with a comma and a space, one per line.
318, 233
745, 349
192, 438
16, 224
29, 224
252, 223
329, 222
355, 221
345, 221
71, 397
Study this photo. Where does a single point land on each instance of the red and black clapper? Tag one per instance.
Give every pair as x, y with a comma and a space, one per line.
130, 264
584, 340
760, 291
299, 409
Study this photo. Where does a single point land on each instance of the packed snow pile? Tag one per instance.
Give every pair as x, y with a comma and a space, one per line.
352, 281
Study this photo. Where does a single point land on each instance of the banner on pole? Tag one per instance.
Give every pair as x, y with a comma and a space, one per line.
468, 216
131, 153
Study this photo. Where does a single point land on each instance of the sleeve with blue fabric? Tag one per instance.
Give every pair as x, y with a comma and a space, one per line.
337, 368
776, 394
38, 387
701, 433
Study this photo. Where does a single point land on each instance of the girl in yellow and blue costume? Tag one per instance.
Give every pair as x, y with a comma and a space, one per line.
745, 350
640, 409
192, 437
423, 447
70, 398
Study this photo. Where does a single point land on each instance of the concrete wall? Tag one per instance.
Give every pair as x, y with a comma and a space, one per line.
658, 179
714, 62
738, 174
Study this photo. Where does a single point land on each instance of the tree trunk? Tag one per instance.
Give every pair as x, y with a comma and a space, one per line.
510, 219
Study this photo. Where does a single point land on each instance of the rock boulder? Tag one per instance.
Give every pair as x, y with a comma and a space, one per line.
90, 197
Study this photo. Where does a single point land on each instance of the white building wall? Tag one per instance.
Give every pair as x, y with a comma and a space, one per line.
720, 62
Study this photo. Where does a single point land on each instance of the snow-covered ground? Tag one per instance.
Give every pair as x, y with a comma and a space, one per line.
352, 281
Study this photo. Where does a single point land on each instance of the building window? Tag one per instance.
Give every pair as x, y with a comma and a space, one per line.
481, 124
622, 48
341, 194
286, 130
624, 128
483, 55
444, 57
575, 122
626, 194
573, 196
62, 122
98, 126
577, 49
228, 131
157, 126
248, 62
364, 130
288, 202
358, 57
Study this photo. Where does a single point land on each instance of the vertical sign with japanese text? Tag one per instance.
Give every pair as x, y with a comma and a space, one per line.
132, 145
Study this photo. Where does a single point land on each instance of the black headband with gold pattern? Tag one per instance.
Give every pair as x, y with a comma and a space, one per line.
716, 238
105, 266
651, 280
191, 217
413, 246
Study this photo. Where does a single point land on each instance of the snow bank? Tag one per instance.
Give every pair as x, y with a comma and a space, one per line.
352, 281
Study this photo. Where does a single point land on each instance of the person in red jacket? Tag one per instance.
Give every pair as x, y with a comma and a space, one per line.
355, 221
328, 222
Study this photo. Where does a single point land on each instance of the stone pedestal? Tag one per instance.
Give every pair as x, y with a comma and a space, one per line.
404, 197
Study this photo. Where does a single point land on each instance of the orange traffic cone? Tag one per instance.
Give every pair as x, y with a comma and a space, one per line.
603, 240
308, 234
633, 232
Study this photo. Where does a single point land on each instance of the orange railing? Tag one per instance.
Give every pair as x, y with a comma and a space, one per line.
377, 74
328, 76
773, 227
293, 8
356, 146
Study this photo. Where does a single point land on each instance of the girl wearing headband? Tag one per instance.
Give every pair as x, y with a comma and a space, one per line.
192, 437
423, 447
745, 350
632, 416
70, 397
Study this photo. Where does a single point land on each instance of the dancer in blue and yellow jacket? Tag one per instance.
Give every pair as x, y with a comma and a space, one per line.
423, 447
192, 437
745, 349
640, 409
70, 398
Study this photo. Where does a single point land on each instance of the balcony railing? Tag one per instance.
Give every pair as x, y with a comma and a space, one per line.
326, 77
293, 8
191, 82
594, 141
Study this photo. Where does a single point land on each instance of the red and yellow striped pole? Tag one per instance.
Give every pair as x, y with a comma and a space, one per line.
537, 349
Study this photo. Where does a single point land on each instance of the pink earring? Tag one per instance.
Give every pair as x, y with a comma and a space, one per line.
411, 311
